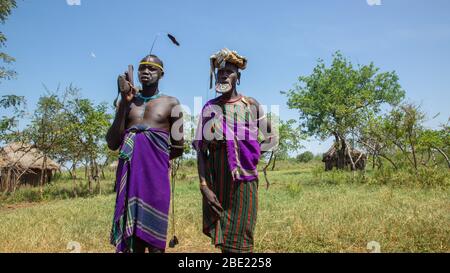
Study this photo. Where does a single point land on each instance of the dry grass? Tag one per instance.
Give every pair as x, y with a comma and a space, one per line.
297, 214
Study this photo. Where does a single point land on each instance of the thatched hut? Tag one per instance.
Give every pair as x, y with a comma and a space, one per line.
23, 164
330, 158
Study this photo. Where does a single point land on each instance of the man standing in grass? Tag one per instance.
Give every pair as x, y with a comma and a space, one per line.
141, 129
228, 152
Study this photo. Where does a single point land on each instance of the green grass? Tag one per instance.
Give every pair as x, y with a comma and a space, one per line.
303, 211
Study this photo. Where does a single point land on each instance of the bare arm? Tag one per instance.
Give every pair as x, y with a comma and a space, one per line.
115, 132
201, 166
207, 193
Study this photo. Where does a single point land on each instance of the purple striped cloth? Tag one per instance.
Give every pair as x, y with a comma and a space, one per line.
143, 189
243, 148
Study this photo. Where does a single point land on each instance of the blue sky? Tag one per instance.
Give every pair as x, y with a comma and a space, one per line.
53, 43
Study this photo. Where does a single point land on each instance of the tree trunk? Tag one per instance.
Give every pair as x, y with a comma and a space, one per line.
413, 152
70, 173
103, 166
353, 167
74, 187
43, 170
444, 155
15, 183
390, 161
403, 151
274, 162
341, 157
97, 176
373, 161
7, 180
2, 181
340, 151
89, 175
74, 170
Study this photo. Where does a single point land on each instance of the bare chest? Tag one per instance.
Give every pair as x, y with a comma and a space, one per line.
154, 113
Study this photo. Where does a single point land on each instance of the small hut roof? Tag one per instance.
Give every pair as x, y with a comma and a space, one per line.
26, 157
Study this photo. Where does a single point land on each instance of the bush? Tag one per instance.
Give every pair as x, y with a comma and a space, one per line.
423, 177
305, 157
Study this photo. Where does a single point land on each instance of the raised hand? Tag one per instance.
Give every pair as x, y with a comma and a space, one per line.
127, 91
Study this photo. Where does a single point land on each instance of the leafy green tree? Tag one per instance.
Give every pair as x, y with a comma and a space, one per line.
403, 128
401, 138
9, 124
15, 103
436, 140
85, 131
45, 131
6, 7
289, 141
305, 157
335, 100
372, 136
289, 137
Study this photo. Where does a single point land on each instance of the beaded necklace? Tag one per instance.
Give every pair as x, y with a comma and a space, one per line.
147, 99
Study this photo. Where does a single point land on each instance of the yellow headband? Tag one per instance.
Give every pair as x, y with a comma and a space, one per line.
153, 64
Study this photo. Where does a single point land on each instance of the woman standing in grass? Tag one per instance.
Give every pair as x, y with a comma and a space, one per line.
228, 152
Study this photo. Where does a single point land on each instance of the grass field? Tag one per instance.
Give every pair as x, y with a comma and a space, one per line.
301, 212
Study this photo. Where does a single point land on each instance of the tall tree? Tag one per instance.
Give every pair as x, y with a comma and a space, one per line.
45, 131
335, 100
6, 7
372, 136
436, 140
289, 140
86, 129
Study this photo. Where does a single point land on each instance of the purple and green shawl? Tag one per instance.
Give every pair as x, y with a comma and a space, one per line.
241, 137
143, 189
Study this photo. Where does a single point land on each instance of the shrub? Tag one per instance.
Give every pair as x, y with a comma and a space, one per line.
305, 157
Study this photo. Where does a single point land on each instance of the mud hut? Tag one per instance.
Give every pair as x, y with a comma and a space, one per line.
330, 158
21, 164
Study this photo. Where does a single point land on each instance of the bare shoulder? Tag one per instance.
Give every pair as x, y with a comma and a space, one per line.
170, 100
252, 101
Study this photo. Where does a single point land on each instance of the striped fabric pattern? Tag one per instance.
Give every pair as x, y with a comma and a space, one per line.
233, 231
